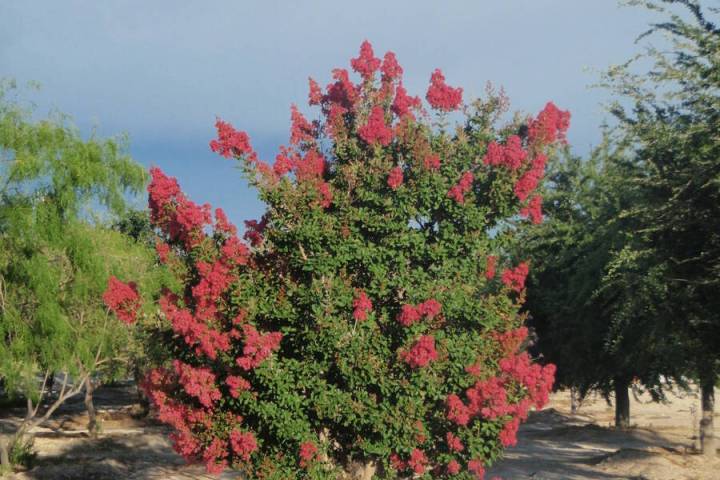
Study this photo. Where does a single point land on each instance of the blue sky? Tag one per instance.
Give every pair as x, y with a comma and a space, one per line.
162, 70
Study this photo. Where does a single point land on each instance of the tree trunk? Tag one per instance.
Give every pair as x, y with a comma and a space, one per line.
574, 400
707, 429
622, 402
4, 457
93, 426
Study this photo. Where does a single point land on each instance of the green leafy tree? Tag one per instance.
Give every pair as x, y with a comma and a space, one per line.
55, 259
595, 296
671, 117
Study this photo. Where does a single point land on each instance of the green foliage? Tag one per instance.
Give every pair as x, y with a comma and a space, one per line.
595, 296
673, 125
54, 260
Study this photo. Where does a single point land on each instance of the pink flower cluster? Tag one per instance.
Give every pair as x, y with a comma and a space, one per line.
441, 96
533, 209
198, 383
514, 278
432, 162
421, 353
491, 264
463, 186
301, 130
550, 125
395, 179
182, 219
230, 142
366, 64
376, 130
488, 398
122, 299
236, 385
308, 454
410, 314
512, 155
362, 305
403, 104
257, 347
243, 444
529, 181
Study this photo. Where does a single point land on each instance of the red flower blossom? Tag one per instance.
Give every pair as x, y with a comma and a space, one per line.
432, 162
397, 463
511, 155
395, 179
163, 251
230, 141
310, 167
222, 224
362, 306
442, 97
550, 125
430, 308
457, 411
237, 385
404, 103
198, 383
326, 195
511, 340
301, 130
391, 69
243, 444
453, 467
422, 352
366, 64
283, 163
533, 209
476, 467
122, 299
463, 186
409, 314
530, 179
215, 456
308, 453
514, 278
315, 94
508, 435
417, 461
490, 267
257, 347
343, 92
454, 443
375, 130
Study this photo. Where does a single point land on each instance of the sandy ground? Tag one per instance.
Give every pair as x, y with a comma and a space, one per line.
552, 445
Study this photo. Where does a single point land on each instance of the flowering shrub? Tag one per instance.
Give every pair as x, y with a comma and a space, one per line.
363, 322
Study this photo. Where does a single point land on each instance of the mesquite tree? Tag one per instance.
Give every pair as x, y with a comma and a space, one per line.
54, 262
370, 323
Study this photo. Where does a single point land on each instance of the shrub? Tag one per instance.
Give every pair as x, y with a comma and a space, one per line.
363, 322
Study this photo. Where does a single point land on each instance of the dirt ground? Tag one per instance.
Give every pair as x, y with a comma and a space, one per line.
552, 445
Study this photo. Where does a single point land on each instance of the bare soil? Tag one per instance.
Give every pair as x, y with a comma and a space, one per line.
553, 444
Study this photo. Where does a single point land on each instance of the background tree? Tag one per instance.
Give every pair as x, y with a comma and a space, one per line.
55, 258
372, 318
672, 121
595, 297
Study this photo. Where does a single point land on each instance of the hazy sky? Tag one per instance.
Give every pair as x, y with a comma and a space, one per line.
161, 71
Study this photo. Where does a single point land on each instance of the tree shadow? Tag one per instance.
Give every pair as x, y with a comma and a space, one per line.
553, 446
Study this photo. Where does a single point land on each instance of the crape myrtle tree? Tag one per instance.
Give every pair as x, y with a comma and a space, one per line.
672, 117
595, 296
368, 325
55, 261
